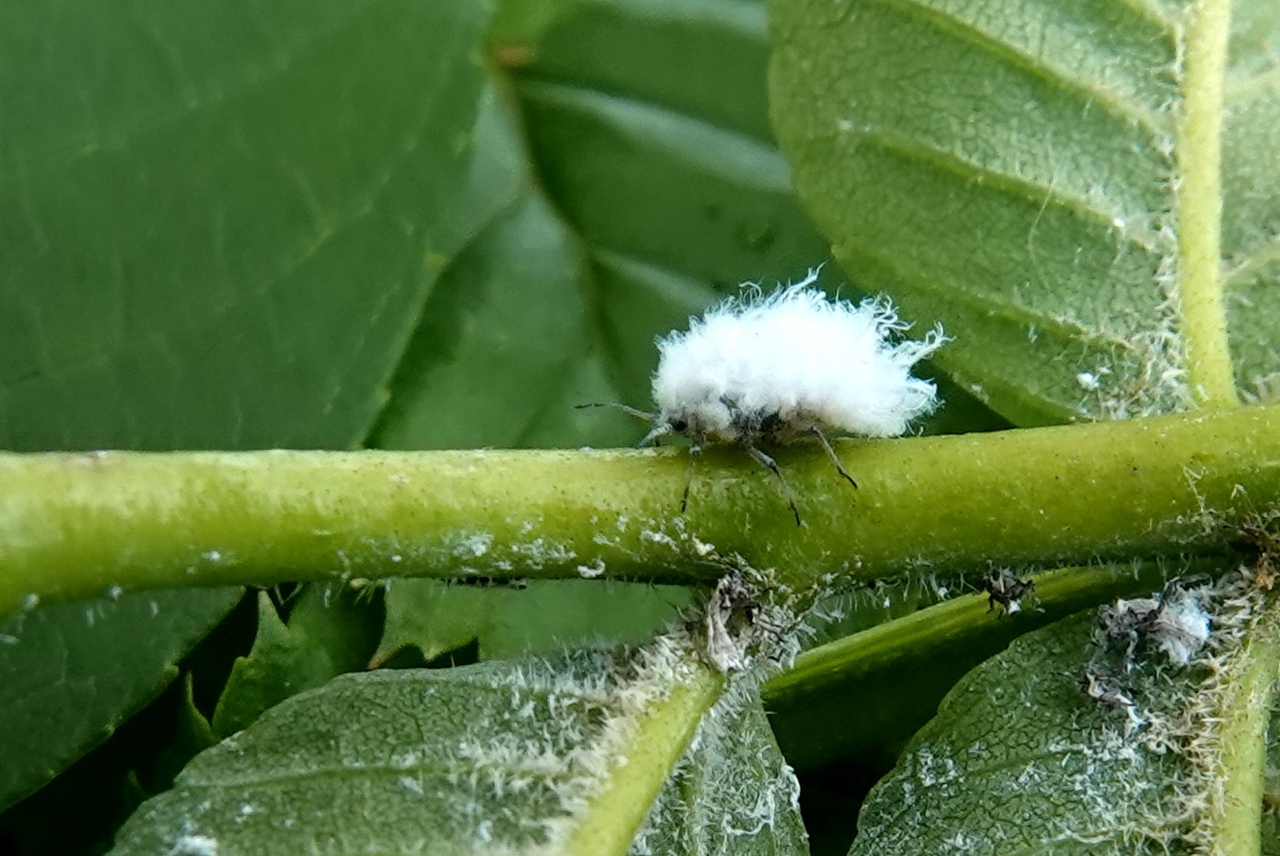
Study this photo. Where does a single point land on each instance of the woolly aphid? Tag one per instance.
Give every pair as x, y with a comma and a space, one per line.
766, 370
1175, 621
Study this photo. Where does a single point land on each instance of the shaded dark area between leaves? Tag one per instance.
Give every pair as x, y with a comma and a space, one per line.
139, 760
830, 797
305, 636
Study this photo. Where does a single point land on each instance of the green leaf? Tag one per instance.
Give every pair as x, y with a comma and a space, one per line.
525, 755
648, 127
1020, 759
331, 629
1251, 209
542, 618
505, 327
621, 201
192, 734
702, 58
1020, 173
110, 782
72, 672
732, 792
201, 251
227, 241
866, 694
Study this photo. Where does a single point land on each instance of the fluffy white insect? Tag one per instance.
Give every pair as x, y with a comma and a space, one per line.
789, 365
774, 369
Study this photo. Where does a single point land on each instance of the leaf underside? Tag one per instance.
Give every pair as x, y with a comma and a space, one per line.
1010, 170
1019, 760
486, 757
731, 793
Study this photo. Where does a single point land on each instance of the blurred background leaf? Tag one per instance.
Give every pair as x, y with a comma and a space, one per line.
218, 227
434, 617
622, 198
98, 663
330, 629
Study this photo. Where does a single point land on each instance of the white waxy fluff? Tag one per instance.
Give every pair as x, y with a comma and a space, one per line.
1180, 626
775, 368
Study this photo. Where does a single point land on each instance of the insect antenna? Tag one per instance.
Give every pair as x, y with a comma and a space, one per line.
766, 461
633, 411
831, 453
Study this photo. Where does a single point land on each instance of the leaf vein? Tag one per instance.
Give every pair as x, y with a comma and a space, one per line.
1124, 109
1028, 189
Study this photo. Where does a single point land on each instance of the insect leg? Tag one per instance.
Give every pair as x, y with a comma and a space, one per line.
652, 437
831, 453
694, 452
766, 461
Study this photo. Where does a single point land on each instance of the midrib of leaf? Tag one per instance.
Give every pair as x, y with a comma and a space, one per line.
1233, 821
1199, 206
610, 821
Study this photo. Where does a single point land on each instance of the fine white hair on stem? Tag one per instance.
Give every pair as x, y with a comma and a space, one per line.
781, 367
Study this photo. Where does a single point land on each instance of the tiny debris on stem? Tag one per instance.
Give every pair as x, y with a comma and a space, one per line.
1005, 590
731, 623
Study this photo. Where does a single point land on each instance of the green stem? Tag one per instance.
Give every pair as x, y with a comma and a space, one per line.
1244, 709
76, 525
1199, 206
611, 820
